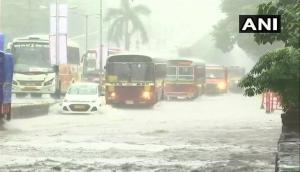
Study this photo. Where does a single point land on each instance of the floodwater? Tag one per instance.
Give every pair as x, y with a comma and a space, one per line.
212, 133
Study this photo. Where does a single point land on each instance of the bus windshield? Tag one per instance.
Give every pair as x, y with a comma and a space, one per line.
185, 73
215, 73
236, 72
131, 72
31, 57
90, 65
180, 73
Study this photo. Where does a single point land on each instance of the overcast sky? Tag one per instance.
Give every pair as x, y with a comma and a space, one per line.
172, 23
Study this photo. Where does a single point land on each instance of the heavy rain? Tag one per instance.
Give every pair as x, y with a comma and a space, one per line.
140, 85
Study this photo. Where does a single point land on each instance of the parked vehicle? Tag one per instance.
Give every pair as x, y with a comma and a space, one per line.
6, 75
82, 97
91, 67
134, 79
216, 79
185, 78
34, 73
235, 74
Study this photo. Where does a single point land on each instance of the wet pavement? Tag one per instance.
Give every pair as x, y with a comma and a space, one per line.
212, 133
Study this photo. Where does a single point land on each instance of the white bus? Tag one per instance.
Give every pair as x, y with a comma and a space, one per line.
33, 72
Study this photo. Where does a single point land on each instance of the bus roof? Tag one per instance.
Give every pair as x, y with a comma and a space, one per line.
214, 66
193, 60
134, 57
43, 38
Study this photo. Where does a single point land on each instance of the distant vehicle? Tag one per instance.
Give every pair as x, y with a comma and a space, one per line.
82, 97
134, 79
185, 78
235, 74
216, 79
34, 73
91, 68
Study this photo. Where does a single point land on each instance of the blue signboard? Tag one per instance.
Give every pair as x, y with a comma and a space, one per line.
2, 42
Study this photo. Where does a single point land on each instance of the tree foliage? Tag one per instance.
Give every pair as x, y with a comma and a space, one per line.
226, 32
125, 22
277, 71
290, 20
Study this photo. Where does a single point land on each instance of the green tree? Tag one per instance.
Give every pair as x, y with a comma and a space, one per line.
290, 19
125, 22
226, 32
278, 71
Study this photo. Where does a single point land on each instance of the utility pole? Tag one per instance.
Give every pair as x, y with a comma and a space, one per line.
57, 89
100, 36
86, 32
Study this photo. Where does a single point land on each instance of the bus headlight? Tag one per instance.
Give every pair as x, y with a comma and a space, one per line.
146, 95
221, 85
113, 94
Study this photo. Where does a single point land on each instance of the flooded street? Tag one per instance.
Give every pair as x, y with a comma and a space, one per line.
212, 133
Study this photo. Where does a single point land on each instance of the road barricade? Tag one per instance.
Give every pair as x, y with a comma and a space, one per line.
270, 102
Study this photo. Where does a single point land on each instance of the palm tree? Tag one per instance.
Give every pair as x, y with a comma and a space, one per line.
125, 21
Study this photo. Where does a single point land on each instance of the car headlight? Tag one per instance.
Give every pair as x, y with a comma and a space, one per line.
146, 95
221, 85
49, 82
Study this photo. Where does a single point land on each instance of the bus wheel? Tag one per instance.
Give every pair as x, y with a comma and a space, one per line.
20, 95
36, 95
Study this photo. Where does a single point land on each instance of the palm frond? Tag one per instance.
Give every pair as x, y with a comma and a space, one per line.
138, 27
141, 9
115, 32
113, 13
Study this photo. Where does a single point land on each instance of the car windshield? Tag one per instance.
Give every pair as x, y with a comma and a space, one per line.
83, 90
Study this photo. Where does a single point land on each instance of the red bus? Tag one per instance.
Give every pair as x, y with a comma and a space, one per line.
185, 78
134, 79
216, 79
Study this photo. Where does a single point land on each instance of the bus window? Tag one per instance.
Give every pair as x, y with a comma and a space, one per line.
185, 73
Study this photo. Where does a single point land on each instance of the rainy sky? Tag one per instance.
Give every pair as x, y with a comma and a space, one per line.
172, 23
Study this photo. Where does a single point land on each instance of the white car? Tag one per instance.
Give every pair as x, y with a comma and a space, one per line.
82, 97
